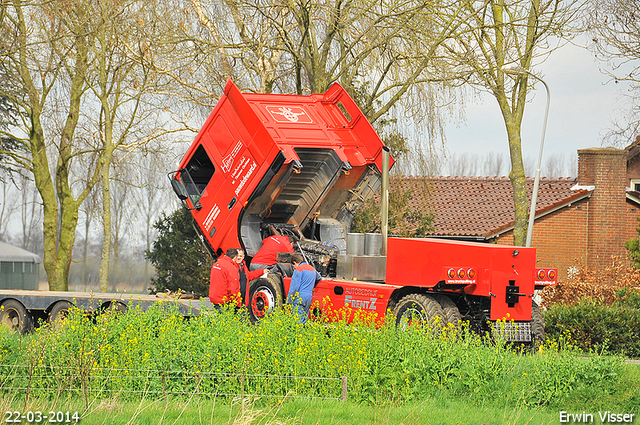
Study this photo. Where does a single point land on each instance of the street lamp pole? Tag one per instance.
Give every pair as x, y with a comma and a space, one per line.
515, 69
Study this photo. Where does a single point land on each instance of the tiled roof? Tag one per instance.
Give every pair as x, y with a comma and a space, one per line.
480, 206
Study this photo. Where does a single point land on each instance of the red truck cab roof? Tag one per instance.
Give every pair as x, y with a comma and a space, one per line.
270, 158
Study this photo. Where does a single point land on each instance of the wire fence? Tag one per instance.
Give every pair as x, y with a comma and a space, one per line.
39, 380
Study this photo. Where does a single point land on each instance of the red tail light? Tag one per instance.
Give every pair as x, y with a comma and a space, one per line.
542, 274
451, 273
471, 273
462, 273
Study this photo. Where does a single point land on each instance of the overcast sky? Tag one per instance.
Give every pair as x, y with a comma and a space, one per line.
583, 105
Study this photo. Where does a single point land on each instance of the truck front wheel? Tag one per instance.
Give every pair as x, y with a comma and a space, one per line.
265, 296
14, 316
418, 309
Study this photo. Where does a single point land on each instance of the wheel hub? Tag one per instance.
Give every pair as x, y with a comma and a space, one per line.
12, 320
413, 316
262, 302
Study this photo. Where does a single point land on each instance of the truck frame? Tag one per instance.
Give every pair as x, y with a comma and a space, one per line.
302, 166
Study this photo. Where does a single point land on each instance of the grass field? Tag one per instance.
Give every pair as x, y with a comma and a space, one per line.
155, 367
428, 412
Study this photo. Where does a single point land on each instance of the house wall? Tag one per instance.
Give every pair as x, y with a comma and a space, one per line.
605, 168
633, 170
632, 224
559, 238
592, 231
633, 162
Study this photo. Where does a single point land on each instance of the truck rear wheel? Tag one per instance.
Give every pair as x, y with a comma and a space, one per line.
265, 296
14, 316
537, 324
418, 308
451, 312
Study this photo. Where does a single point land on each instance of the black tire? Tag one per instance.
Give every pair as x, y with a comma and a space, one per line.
113, 307
451, 312
58, 313
265, 296
537, 324
417, 307
14, 316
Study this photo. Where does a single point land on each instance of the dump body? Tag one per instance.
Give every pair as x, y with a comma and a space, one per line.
302, 166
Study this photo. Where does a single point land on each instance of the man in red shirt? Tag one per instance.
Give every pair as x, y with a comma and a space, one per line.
227, 275
268, 254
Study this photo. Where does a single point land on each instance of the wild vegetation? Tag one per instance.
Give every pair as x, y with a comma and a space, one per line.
600, 309
158, 354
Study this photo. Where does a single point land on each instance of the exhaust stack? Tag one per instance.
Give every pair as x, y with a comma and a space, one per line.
384, 199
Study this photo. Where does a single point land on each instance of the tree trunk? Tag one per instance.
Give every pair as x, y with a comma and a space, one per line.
518, 182
106, 220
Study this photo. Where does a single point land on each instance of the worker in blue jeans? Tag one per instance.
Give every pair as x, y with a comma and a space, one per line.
304, 279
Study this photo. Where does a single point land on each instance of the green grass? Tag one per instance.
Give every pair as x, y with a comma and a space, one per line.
434, 411
142, 357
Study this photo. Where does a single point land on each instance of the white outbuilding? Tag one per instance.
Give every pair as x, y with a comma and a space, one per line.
19, 269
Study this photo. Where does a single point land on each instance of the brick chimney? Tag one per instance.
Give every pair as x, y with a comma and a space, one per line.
604, 168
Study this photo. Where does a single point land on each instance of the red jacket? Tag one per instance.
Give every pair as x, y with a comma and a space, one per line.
268, 254
225, 281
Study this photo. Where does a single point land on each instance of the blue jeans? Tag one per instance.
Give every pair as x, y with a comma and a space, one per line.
300, 307
303, 312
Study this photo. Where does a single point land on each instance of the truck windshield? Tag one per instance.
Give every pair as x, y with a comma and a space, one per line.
197, 174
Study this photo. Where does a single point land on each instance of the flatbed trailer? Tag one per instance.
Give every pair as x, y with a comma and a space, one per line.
21, 309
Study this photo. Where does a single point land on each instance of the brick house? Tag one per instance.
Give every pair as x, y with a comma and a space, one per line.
581, 221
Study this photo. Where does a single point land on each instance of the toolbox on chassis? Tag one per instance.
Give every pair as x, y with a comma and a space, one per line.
302, 166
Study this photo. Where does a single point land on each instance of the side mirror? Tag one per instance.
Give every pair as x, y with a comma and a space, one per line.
179, 189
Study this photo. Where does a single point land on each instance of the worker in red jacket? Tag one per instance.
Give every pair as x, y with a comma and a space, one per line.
267, 255
229, 277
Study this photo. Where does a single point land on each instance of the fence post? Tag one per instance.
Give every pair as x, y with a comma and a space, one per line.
344, 389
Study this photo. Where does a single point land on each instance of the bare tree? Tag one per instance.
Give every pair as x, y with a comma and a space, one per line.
30, 210
150, 196
46, 55
501, 33
572, 165
90, 207
529, 165
554, 165
385, 54
614, 29
493, 164
80, 98
462, 164
122, 212
7, 207
121, 85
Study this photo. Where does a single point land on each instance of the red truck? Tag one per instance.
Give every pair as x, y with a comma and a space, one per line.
302, 166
